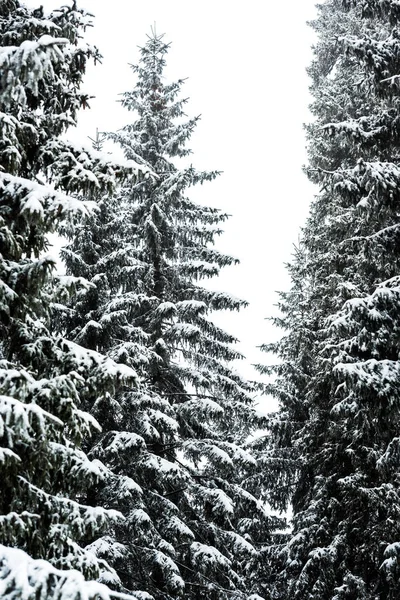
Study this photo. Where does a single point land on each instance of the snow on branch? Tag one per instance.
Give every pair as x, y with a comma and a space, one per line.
24, 578
89, 518
41, 201
24, 66
85, 360
78, 168
381, 376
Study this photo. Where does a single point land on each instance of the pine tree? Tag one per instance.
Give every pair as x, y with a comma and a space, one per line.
44, 473
345, 539
289, 382
194, 530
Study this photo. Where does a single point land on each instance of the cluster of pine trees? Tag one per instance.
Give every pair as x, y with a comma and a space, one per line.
131, 464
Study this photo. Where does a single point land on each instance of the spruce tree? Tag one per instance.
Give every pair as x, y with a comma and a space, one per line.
346, 533
194, 530
45, 524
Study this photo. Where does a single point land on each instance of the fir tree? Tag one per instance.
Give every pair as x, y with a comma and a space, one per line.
345, 539
43, 378
194, 530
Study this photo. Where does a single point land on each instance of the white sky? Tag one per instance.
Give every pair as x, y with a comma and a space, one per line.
246, 66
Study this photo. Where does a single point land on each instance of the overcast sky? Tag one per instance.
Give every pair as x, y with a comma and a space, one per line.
245, 63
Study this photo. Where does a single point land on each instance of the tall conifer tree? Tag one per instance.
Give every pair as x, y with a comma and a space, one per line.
345, 544
194, 529
44, 473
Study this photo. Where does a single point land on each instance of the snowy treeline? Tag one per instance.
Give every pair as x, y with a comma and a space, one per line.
131, 459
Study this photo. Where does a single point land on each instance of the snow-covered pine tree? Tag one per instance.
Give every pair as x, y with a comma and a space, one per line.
277, 451
194, 531
346, 526
289, 382
45, 525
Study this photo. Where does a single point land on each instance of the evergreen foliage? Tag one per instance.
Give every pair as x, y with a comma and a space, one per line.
192, 529
291, 377
45, 524
339, 381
